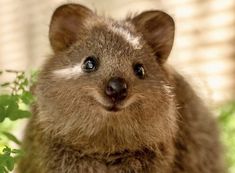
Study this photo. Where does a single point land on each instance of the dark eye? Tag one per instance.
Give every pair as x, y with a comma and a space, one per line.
90, 64
139, 70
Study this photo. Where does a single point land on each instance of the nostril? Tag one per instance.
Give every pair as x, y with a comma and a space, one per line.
110, 90
123, 94
116, 89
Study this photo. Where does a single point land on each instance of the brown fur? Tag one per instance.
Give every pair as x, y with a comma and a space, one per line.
164, 129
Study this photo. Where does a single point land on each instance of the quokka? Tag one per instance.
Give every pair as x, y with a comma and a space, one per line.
107, 102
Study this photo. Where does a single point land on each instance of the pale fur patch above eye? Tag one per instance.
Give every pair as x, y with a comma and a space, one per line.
127, 35
72, 72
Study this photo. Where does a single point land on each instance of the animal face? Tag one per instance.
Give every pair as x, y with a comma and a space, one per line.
105, 83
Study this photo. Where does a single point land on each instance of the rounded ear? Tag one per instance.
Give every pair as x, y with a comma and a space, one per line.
158, 30
66, 25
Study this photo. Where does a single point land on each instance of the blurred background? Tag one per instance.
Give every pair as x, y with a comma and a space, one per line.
204, 49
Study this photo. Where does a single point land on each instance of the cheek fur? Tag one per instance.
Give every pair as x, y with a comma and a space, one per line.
72, 72
70, 113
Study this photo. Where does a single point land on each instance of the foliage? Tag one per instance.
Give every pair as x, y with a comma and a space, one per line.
8, 158
14, 103
227, 124
20, 96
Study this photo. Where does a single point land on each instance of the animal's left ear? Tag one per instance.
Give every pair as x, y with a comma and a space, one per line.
158, 30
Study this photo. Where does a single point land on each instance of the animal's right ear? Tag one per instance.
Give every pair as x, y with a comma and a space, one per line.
67, 23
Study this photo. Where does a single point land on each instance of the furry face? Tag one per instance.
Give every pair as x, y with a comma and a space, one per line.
73, 101
108, 103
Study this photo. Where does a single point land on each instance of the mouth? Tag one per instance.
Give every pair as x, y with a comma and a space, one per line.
112, 108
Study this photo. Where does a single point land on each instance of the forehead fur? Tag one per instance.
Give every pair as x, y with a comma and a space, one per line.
126, 30
123, 29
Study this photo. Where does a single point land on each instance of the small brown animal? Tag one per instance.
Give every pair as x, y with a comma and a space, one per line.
107, 102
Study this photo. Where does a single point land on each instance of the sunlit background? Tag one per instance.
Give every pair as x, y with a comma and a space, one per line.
204, 49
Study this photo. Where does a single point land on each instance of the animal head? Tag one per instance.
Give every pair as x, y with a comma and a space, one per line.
105, 86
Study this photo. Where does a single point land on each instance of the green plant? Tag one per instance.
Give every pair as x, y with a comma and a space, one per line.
227, 125
14, 103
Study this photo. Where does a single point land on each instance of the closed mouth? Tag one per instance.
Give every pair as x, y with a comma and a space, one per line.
109, 105
113, 108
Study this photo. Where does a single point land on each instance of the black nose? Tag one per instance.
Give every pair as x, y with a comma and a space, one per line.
116, 89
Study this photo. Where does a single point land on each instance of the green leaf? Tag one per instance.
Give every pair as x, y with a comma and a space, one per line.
5, 100
6, 150
2, 169
23, 114
7, 160
12, 109
27, 97
10, 163
2, 113
12, 138
18, 114
2, 159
